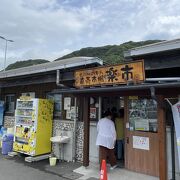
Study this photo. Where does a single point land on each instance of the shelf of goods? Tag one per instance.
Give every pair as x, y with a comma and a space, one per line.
33, 126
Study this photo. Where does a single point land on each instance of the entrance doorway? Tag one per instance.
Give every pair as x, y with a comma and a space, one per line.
141, 136
116, 106
144, 126
140, 150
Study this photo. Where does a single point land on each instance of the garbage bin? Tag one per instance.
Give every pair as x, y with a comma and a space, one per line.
52, 161
7, 144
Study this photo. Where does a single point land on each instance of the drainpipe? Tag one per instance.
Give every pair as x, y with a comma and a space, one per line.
58, 79
152, 89
100, 108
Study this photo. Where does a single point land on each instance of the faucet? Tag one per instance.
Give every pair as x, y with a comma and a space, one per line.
63, 133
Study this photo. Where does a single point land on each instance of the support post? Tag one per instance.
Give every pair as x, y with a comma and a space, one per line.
173, 151
162, 140
86, 131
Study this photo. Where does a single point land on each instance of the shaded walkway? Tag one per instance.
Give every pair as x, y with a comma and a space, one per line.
92, 173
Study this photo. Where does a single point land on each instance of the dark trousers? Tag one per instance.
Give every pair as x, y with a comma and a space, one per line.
107, 154
120, 149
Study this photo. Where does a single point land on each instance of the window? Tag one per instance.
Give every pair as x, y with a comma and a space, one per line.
143, 115
70, 107
57, 98
10, 103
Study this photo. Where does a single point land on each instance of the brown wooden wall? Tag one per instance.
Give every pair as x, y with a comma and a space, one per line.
40, 90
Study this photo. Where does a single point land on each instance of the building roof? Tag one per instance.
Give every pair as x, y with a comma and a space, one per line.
51, 66
153, 48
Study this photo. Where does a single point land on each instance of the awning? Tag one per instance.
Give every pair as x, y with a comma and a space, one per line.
118, 88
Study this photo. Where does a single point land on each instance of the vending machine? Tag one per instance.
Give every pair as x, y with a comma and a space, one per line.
33, 126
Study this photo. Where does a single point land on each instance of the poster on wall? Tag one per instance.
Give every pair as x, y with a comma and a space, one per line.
92, 113
67, 103
141, 125
140, 142
74, 112
176, 117
68, 114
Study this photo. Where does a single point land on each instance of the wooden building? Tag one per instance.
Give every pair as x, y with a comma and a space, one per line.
39, 81
141, 92
147, 114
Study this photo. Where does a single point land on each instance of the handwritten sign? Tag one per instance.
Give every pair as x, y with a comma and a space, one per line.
108, 75
141, 142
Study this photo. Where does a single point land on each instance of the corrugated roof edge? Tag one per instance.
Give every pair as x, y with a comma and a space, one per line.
119, 88
50, 66
164, 45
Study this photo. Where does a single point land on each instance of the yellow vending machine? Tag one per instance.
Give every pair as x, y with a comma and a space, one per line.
33, 126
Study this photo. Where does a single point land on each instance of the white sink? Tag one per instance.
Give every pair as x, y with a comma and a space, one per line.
60, 139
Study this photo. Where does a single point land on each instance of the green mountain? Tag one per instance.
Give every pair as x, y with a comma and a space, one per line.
111, 54
30, 62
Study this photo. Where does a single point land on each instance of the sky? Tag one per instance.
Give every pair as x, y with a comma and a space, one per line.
49, 29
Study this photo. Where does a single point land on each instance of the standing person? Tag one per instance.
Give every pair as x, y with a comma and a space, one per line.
106, 139
120, 134
114, 113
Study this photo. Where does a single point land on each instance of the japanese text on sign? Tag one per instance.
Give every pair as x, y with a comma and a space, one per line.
117, 74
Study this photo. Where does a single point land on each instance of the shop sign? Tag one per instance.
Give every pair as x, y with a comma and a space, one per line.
141, 142
109, 75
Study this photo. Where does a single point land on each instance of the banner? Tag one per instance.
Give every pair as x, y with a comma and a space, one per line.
176, 117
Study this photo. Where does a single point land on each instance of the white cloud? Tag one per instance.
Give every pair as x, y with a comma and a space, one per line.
51, 28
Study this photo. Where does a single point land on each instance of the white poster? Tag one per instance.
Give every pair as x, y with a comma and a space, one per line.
142, 124
73, 112
176, 117
141, 142
67, 103
68, 114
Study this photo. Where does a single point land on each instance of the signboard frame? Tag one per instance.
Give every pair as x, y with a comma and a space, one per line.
110, 75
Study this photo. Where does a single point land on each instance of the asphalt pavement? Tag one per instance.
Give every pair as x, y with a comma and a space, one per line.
15, 168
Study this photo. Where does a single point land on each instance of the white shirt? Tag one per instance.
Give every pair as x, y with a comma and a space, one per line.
106, 133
